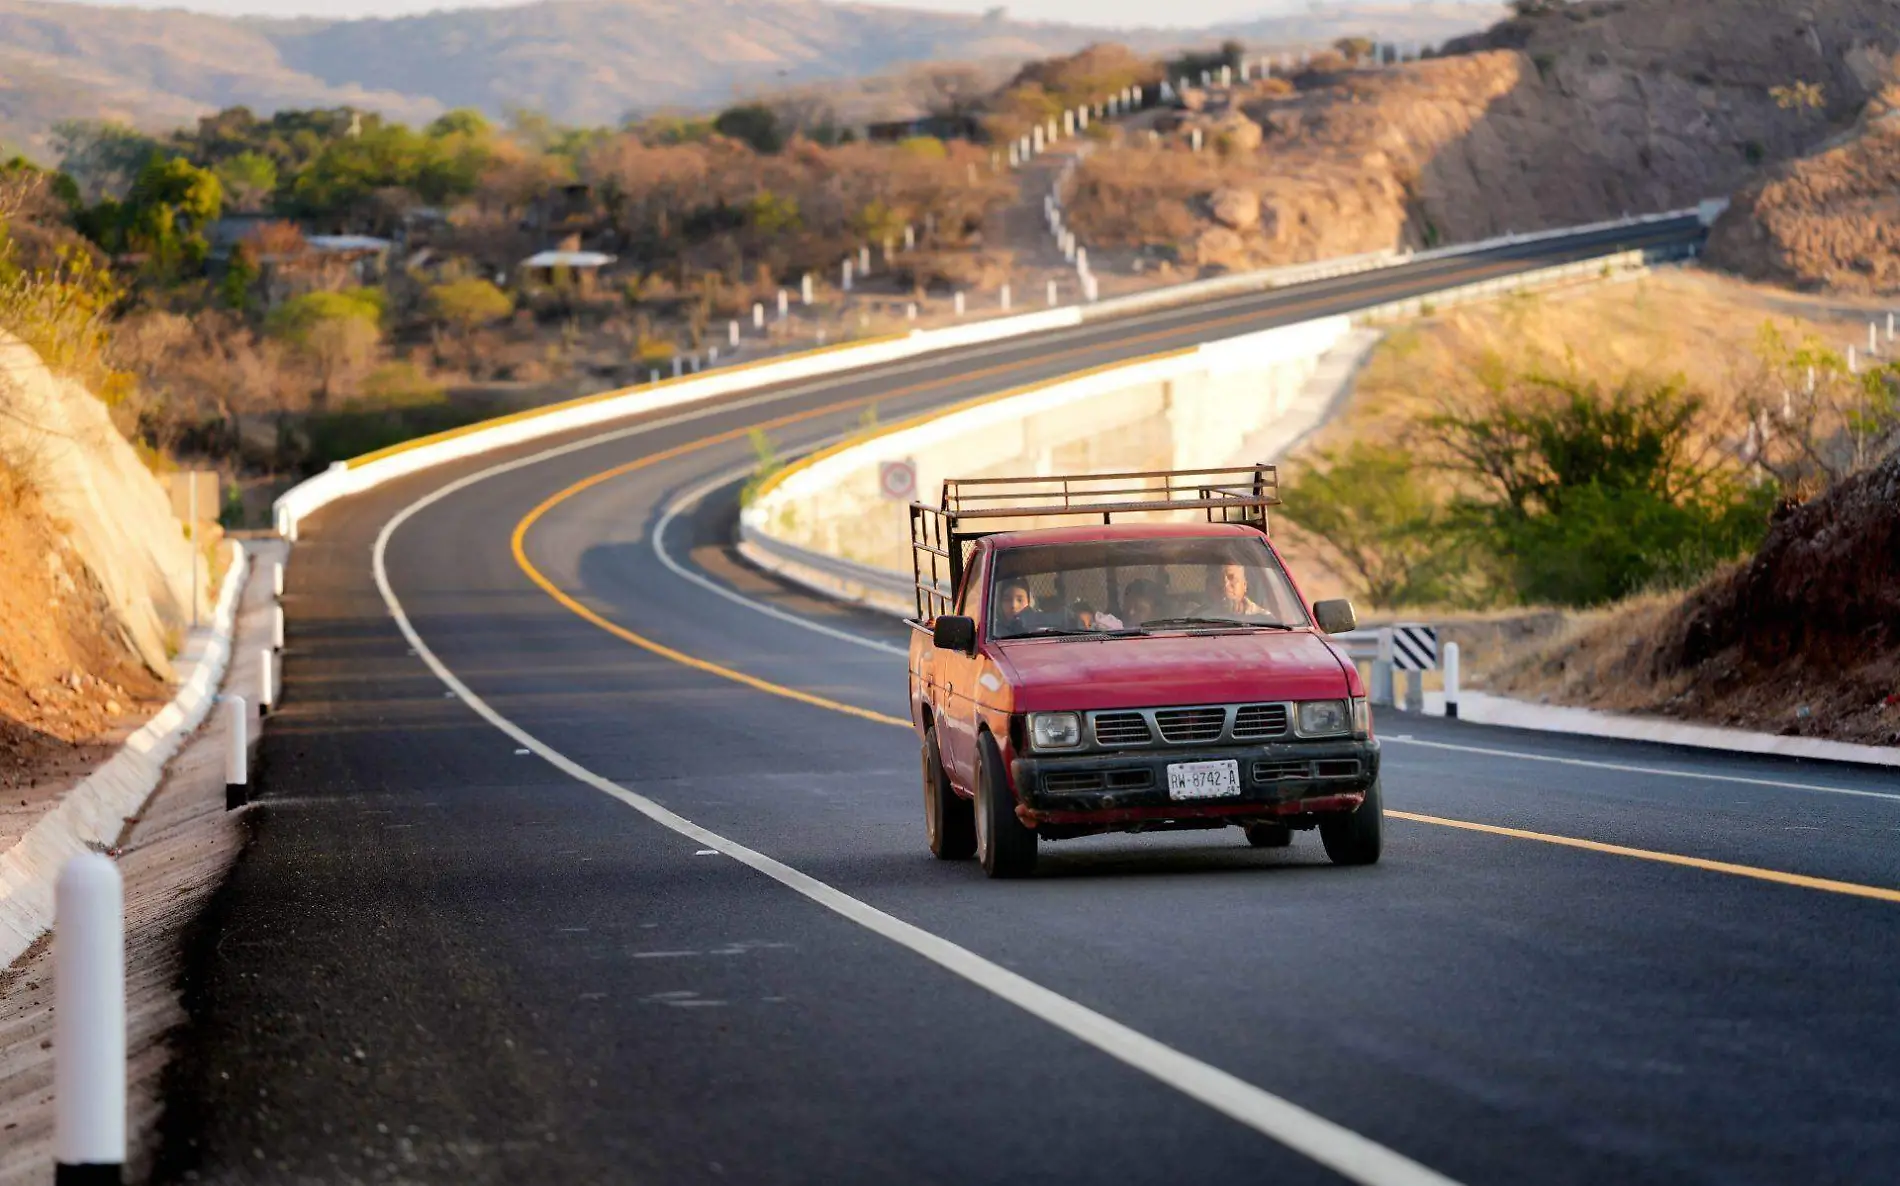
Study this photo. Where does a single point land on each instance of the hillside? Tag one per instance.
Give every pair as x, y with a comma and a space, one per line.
1827, 220
1586, 111
579, 61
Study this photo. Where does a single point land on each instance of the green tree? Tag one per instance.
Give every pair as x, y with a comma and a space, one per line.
1376, 506
467, 305
249, 179
104, 157
169, 209
1583, 495
240, 277
754, 124
774, 214
337, 333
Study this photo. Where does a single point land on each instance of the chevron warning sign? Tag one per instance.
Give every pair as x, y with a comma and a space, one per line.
1414, 647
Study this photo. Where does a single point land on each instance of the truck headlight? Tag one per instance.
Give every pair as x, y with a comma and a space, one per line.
1324, 718
1055, 730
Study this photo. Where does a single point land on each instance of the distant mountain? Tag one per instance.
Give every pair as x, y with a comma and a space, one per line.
580, 61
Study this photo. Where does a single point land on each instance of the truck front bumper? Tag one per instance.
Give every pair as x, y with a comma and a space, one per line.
1128, 787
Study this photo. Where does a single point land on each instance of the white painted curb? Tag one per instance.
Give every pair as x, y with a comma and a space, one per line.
1485, 709
92, 814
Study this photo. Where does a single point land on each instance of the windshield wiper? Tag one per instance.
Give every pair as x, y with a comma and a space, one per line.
1165, 623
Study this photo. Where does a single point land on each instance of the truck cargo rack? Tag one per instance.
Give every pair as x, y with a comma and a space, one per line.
939, 540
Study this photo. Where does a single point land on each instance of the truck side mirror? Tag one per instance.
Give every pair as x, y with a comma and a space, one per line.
953, 633
1335, 616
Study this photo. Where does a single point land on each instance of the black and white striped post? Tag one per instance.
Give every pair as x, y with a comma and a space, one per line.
89, 1023
1414, 651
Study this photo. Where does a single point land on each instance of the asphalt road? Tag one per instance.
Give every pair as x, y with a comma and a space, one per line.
469, 943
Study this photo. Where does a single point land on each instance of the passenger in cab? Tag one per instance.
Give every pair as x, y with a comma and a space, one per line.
1141, 602
1229, 595
1013, 601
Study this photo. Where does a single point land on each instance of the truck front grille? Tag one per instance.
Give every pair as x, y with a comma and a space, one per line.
1075, 782
1275, 771
1185, 726
1121, 728
1259, 720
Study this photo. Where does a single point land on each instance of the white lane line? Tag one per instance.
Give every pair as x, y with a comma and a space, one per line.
1357, 1158
691, 497
1656, 770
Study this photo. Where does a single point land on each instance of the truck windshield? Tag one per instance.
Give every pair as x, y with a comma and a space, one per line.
1114, 585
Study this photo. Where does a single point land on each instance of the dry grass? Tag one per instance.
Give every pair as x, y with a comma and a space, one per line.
1675, 322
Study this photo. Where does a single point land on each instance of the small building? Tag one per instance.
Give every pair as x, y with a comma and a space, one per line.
365, 256
548, 267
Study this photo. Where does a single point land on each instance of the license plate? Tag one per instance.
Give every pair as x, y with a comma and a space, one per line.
1203, 780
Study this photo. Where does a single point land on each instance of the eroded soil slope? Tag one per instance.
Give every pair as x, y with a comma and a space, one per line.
1804, 639
70, 683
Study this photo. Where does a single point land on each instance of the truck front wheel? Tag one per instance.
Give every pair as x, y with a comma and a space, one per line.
1356, 837
948, 816
1006, 848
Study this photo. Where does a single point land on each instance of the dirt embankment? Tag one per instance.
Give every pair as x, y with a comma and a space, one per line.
1829, 220
1804, 639
95, 581
1585, 112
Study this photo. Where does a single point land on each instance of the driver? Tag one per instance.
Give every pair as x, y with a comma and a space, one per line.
1230, 598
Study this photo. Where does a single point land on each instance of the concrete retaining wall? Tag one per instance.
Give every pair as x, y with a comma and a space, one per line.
1182, 410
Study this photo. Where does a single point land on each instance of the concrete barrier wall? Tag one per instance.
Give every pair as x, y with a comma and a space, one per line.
1182, 410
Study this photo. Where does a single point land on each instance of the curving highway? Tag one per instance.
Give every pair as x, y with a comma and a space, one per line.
589, 854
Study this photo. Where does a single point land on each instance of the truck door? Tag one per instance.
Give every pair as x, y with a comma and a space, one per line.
956, 675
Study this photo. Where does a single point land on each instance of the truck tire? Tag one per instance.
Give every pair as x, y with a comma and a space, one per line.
1269, 835
1003, 845
949, 818
1355, 837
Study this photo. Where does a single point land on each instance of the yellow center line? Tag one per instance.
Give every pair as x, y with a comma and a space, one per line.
1853, 889
518, 544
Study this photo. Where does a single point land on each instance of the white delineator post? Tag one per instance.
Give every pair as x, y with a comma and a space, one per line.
89, 1022
732, 331
267, 683
1002, 298
1052, 294
804, 289
758, 315
277, 627
1450, 664
277, 579
237, 758
784, 304
959, 304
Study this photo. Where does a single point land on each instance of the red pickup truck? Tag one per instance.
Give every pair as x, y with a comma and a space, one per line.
1126, 671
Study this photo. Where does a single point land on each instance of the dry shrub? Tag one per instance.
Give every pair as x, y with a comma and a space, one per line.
1132, 197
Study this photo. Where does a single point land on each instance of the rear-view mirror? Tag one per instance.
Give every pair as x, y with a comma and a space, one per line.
1335, 616
953, 633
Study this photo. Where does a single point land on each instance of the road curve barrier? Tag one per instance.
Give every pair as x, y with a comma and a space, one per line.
345, 478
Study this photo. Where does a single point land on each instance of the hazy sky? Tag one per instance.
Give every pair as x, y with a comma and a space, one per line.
1111, 12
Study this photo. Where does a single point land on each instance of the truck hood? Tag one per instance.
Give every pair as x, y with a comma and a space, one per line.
1160, 670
